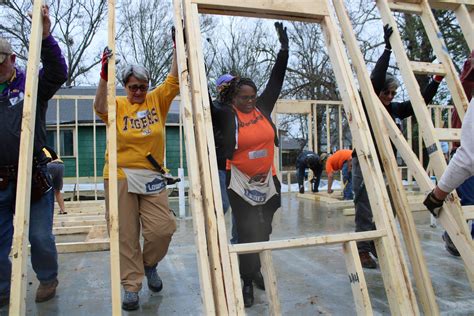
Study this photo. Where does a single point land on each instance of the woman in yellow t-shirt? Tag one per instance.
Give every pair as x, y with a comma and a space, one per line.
142, 197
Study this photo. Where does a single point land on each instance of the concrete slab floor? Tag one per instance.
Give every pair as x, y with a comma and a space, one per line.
311, 281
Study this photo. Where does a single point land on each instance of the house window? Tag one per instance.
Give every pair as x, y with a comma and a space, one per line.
66, 141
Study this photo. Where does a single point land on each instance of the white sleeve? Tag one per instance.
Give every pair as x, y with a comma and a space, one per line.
461, 166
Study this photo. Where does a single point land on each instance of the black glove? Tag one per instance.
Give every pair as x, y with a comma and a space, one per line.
106, 55
301, 189
313, 185
433, 204
173, 36
387, 32
282, 36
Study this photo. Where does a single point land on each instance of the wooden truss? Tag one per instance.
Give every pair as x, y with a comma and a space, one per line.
464, 10
222, 292
452, 218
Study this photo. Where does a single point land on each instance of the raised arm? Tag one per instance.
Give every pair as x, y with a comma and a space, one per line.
100, 101
380, 70
54, 71
266, 101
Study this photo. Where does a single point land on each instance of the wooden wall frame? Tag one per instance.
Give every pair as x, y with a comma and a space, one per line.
194, 85
452, 218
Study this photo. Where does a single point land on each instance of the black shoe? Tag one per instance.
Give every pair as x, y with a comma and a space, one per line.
449, 245
4, 300
258, 280
247, 292
367, 261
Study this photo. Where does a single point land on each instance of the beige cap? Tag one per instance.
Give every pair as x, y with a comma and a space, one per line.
5, 49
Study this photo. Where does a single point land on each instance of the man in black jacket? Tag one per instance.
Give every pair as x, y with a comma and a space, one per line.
308, 159
12, 90
385, 86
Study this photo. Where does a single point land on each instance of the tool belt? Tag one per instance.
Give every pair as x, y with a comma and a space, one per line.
40, 183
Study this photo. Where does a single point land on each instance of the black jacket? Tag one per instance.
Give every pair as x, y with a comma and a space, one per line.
301, 166
400, 110
223, 115
51, 77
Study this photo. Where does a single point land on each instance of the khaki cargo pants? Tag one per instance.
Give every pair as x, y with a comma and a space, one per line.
158, 224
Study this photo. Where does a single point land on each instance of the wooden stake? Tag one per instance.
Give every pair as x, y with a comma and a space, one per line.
399, 198
23, 189
112, 160
357, 279
401, 300
195, 195
270, 282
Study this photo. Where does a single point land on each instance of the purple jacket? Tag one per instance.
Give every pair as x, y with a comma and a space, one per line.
51, 77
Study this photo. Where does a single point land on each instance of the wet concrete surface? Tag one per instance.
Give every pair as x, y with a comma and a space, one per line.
311, 281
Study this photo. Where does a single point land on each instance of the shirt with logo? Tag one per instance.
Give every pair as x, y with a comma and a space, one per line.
140, 128
255, 144
50, 78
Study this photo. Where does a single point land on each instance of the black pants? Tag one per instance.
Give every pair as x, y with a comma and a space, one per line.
254, 223
363, 212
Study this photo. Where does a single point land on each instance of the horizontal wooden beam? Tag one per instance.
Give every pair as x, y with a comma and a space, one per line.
468, 211
92, 222
302, 10
72, 230
90, 246
328, 201
306, 241
448, 134
450, 4
412, 8
74, 97
422, 68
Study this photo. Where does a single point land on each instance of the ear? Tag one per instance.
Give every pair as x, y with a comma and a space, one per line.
13, 58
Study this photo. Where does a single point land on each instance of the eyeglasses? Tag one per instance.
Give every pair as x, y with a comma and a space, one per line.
247, 98
135, 88
387, 93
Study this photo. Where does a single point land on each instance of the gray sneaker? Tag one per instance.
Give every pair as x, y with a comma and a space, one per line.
130, 301
155, 283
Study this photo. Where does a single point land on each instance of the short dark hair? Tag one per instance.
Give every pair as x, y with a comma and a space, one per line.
233, 88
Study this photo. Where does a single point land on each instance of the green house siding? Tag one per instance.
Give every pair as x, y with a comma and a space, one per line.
86, 153
172, 150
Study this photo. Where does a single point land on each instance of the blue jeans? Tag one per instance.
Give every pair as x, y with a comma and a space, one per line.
226, 204
44, 257
347, 179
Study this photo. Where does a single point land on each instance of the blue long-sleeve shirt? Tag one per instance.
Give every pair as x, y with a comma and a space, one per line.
51, 77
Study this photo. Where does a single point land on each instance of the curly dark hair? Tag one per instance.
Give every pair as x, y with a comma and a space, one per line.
233, 88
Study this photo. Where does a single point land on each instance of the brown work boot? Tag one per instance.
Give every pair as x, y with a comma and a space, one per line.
46, 291
367, 261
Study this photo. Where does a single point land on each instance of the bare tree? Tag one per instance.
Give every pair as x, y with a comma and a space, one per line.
243, 47
145, 35
75, 24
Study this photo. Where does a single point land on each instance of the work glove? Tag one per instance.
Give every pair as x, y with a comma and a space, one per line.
173, 36
106, 55
387, 32
301, 189
282, 35
438, 78
433, 204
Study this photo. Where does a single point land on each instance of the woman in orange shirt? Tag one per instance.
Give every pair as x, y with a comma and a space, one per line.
253, 188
